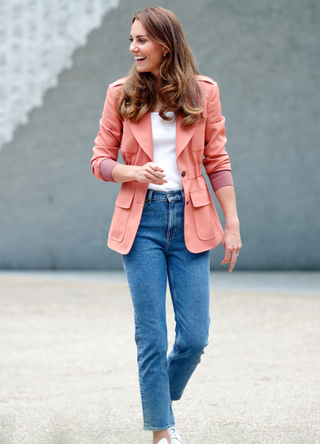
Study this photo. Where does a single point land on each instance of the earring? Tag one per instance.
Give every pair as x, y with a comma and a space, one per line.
164, 55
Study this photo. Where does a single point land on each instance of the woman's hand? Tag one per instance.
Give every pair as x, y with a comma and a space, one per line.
148, 173
231, 240
232, 243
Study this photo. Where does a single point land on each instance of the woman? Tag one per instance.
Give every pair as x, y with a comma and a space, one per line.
166, 119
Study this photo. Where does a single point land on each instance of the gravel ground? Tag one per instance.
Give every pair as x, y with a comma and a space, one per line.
69, 373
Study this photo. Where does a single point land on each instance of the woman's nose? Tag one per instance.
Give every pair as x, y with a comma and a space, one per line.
133, 47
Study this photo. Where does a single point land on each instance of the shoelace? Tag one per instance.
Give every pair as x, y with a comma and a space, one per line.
174, 434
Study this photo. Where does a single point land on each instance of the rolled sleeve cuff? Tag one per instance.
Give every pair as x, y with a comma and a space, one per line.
106, 168
221, 179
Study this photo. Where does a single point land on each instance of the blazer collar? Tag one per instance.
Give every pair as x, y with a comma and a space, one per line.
142, 132
184, 135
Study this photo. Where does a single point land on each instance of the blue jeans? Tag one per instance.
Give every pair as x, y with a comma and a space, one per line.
159, 253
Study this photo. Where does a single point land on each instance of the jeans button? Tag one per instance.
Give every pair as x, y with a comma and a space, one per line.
169, 195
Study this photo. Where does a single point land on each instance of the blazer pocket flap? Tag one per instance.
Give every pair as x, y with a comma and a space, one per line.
199, 198
124, 199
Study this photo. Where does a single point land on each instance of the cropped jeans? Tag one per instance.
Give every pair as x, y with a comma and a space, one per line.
159, 254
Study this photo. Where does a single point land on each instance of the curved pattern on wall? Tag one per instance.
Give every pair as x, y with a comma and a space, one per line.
37, 40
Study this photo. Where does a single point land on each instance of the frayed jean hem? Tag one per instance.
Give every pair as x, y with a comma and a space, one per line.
158, 429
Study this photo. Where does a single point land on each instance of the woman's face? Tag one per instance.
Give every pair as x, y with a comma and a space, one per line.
147, 52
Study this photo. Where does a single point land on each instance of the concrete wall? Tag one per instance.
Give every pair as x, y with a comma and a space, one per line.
266, 58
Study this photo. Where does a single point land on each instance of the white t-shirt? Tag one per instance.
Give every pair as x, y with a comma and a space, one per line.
164, 152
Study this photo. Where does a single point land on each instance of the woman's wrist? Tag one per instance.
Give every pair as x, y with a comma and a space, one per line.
133, 173
124, 173
232, 222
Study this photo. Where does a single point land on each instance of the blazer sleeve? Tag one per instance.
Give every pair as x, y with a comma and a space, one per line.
108, 140
215, 155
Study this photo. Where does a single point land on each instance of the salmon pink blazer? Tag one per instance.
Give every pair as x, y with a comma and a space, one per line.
201, 143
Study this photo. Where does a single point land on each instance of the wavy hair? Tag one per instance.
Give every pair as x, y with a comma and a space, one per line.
177, 89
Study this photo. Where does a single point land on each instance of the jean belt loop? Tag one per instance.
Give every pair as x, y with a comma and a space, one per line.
182, 194
149, 196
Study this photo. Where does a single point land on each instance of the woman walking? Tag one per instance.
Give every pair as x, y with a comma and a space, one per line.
166, 120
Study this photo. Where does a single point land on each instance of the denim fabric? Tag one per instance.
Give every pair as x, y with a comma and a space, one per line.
157, 255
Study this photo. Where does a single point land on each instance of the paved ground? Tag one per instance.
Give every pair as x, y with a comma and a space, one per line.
68, 364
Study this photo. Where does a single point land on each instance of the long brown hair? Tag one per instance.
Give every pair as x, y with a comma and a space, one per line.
177, 90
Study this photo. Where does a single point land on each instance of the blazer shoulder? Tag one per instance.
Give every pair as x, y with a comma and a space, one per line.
205, 79
119, 82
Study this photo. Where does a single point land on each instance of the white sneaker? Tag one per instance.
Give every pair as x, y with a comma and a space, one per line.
163, 441
174, 435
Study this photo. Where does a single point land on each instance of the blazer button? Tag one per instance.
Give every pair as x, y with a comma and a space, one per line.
183, 173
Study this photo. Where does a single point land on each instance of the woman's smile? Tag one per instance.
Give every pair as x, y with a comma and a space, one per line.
139, 59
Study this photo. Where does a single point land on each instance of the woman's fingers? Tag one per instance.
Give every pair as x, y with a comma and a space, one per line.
152, 173
233, 260
232, 244
154, 167
231, 257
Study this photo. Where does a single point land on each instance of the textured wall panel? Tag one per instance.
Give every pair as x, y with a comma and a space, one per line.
37, 40
265, 57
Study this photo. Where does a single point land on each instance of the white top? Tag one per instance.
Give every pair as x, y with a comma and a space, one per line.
164, 152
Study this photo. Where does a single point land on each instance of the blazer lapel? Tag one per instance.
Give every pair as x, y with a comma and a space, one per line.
142, 132
183, 135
